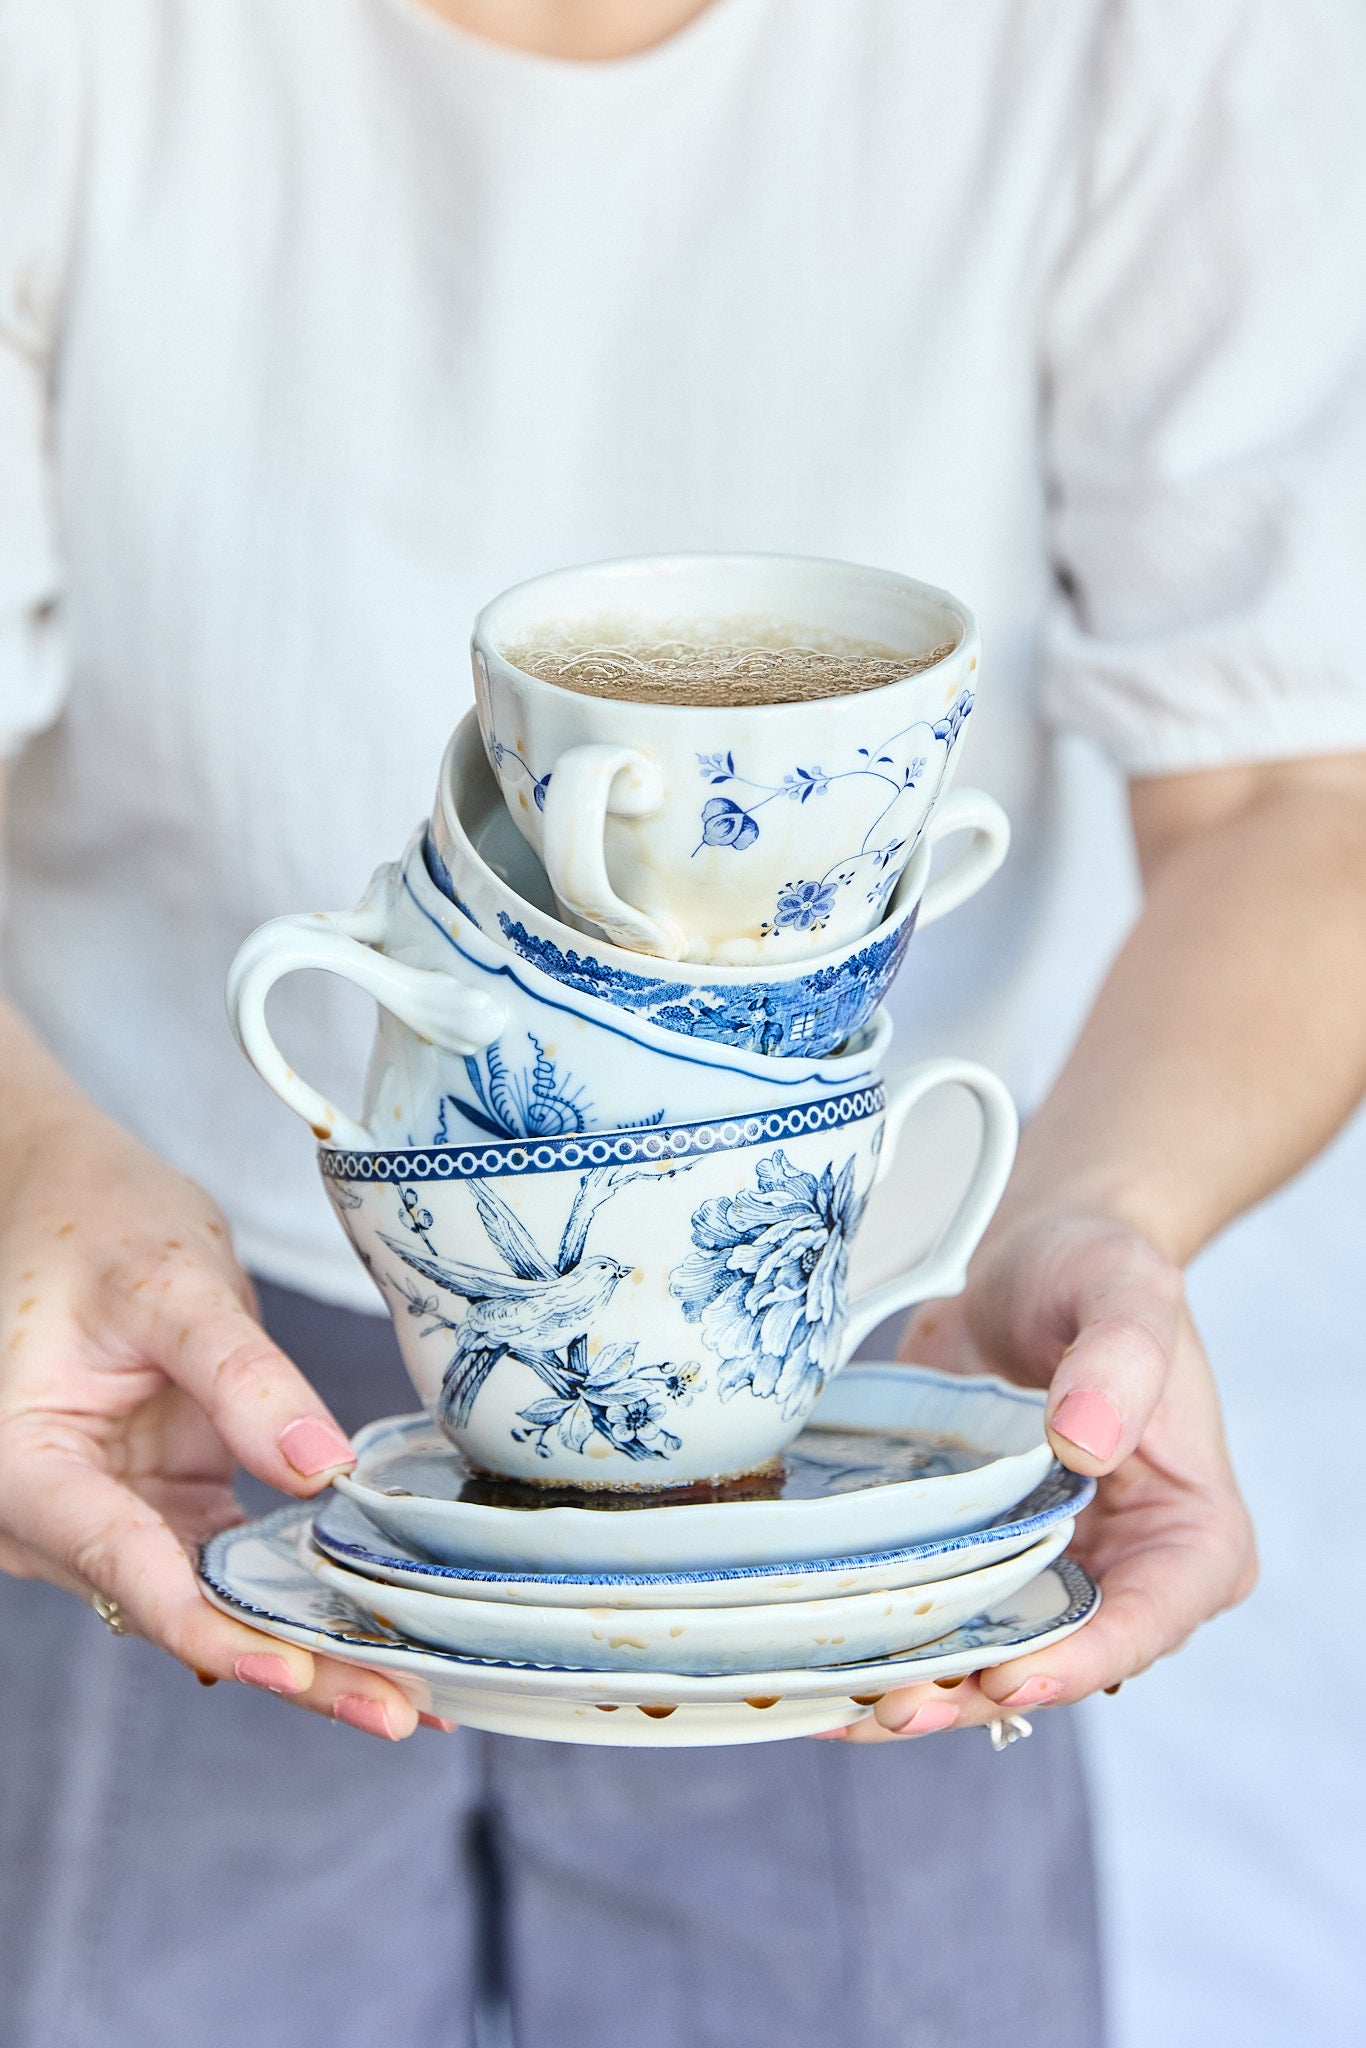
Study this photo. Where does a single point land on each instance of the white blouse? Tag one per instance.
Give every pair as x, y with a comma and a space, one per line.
320, 322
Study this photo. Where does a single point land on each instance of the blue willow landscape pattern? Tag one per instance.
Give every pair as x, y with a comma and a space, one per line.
766, 1282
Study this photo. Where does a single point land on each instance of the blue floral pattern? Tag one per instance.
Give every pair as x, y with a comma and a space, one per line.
541, 1310
807, 903
768, 1282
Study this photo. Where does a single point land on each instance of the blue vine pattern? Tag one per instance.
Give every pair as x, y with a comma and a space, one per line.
807, 905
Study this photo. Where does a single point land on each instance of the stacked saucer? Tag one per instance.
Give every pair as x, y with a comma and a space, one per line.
915, 1531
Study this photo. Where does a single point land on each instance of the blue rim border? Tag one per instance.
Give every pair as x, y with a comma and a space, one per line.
1030, 1526
582, 1149
1083, 1596
731, 1059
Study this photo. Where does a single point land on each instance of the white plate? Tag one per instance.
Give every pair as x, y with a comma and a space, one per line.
256, 1572
847, 1629
408, 1482
348, 1538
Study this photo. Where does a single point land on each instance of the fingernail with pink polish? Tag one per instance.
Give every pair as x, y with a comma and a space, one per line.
313, 1446
272, 1674
1089, 1421
927, 1719
1035, 1692
435, 1721
370, 1716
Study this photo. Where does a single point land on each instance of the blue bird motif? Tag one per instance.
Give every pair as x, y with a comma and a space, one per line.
527, 1316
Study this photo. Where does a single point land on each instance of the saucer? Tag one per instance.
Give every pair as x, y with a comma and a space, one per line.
257, 1573
343, 1534
847, 1628
880, 1465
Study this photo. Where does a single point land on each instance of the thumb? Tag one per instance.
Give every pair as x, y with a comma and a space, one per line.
256, 1398
1127, 1309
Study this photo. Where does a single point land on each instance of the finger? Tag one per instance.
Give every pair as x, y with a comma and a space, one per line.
256, 1398
1152, 1601
87, 1527
1111, 1377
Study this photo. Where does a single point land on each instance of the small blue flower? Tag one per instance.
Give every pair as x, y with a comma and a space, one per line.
726, 823
717, 767
803, 906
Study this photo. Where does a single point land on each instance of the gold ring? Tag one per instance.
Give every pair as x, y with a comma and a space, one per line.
110, 1615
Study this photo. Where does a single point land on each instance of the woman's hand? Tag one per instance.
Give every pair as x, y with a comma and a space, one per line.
1086, 1306
134, 1376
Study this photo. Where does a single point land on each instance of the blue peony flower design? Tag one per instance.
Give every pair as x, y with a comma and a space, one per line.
768, 1280
804, 906
726, 823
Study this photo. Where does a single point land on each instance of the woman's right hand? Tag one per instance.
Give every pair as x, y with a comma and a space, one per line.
134, 1376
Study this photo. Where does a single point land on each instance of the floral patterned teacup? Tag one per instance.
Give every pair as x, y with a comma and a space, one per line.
807, 1008
647, 1308
474, 1043
740, 835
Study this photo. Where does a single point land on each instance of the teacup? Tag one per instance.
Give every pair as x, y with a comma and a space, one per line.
482, 864
473, 1043
720, 833
648, 1308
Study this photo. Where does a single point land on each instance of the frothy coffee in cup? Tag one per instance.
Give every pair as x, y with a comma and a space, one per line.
738, 661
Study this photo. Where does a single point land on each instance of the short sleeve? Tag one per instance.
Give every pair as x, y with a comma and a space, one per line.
1205, 391
39, 156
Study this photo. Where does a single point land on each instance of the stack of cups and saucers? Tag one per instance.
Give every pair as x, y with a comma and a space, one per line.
627, 1105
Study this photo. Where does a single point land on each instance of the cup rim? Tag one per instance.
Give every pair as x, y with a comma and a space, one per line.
903, 905
483, 643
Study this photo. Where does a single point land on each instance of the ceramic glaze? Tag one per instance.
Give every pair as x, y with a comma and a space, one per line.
257, 1574
843, 1628
341, 1532
752, 835
646, 1308
395, 1486
478, 861
473, 1043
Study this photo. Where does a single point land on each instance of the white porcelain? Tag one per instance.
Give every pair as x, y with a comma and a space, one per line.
346, 1536
644, 1309
845, 1628
473, 1043
256, 1572
478, 859
723, 833
411, 1489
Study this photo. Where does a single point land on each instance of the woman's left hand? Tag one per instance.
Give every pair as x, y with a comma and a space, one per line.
1087, 1307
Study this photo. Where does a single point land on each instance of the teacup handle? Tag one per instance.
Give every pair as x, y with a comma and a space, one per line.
586, 785
943, 1270
964, 810
436, 1007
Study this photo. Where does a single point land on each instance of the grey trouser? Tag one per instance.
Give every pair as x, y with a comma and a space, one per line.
181, 1866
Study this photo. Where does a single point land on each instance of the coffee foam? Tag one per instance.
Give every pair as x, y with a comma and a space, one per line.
708, 662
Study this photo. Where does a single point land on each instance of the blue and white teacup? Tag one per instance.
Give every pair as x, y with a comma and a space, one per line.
647, 1308
473, 1043
745, 835
806, 1007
